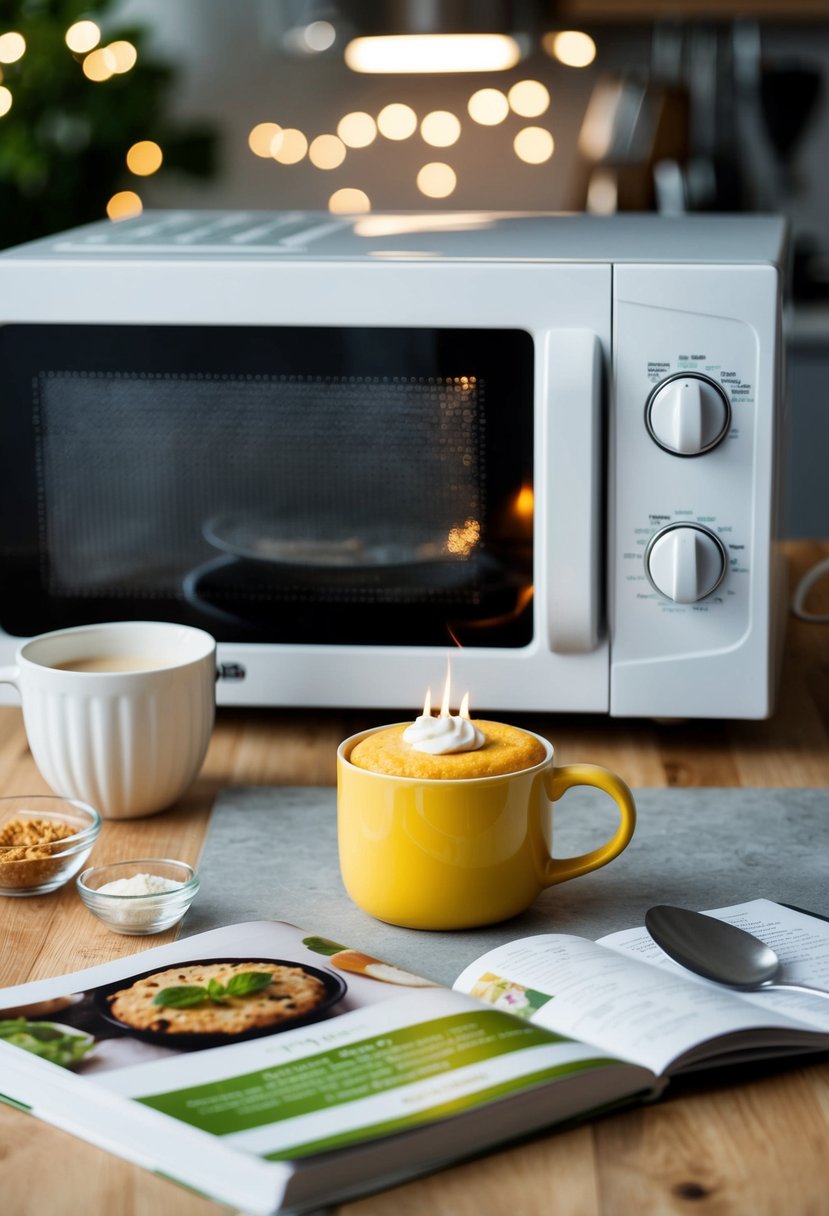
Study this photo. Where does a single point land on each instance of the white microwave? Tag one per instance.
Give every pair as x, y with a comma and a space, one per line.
543, 446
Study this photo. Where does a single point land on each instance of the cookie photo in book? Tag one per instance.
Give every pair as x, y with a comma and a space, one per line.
216, 1001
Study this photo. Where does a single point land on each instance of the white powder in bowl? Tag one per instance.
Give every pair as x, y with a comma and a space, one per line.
137, 914
139, 884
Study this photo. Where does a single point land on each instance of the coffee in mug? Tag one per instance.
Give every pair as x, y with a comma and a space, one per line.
118, 715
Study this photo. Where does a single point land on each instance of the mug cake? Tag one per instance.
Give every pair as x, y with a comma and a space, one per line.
476, 749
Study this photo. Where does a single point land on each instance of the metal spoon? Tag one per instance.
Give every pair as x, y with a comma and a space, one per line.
718, 951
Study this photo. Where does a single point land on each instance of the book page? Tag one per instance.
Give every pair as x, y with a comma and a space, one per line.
357, 1050
800, 941
625, 1006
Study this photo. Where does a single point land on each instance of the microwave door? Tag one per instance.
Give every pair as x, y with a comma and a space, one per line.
276, 485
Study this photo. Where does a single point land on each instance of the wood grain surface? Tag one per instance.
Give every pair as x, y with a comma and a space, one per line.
752, 1142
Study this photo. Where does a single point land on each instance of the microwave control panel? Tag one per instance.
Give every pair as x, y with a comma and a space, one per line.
694, 416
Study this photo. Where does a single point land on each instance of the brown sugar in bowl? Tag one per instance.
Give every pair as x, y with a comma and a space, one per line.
506, 749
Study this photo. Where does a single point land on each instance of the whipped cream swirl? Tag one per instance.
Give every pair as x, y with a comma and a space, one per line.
443, 736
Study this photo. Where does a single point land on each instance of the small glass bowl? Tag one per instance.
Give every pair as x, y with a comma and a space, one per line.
55, 861
137, 915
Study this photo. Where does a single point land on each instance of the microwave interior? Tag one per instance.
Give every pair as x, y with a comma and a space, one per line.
343, 486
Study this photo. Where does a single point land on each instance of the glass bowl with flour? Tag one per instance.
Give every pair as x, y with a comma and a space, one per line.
139, 897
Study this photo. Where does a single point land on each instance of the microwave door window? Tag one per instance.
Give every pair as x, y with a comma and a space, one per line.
340, 486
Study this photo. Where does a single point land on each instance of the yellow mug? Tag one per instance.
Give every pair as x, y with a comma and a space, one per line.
451, 854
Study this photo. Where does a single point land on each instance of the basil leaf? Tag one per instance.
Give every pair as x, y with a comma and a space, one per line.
322, 945
185, 997
216, 991
248, 982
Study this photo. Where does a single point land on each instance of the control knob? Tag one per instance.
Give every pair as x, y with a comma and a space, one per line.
688, 414
685, 562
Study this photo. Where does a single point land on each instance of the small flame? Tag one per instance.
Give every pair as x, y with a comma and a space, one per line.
444, 705
445, 711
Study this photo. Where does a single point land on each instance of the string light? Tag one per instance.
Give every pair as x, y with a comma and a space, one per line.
349, 201
488, 107
6, 100
533, 145
441, 128
397, 121
124, 205
436, 180
12, 47
144, 158
357, 130
529, 98
83, 36
326, 152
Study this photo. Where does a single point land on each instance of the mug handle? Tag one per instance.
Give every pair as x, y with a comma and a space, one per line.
10, 675
557, 782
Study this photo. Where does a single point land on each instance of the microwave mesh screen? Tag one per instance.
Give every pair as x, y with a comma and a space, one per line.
359, 488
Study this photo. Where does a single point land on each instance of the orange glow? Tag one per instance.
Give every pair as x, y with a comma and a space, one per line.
144, 158
124, 205
525, 502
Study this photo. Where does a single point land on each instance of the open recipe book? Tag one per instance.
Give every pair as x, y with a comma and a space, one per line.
273, 1070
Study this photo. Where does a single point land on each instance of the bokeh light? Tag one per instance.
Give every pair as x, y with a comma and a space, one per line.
326, 152
441, 128
261, 137
357, 130
144, 158
570, 47
83, 36
289, 146
99, 65
533, 145
124, 56
436, 180
397, 121
319, 35
124, 205
12, 47
529, 98
6, 100
488, 107
349, 201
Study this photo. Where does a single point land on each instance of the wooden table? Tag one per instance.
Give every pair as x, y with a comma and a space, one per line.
757, 1147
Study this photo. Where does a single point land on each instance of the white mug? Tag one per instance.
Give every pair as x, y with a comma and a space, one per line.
119, 714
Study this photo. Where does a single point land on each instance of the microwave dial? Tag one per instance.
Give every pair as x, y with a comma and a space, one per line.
688, 414
685, 562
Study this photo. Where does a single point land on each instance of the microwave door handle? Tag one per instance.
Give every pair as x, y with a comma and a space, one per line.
572, 455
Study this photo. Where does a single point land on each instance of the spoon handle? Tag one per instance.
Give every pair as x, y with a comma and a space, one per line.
800, 988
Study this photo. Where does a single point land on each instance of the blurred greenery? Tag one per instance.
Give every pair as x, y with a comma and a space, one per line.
64, 140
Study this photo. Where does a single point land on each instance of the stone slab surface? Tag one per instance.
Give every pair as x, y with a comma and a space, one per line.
271, 853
